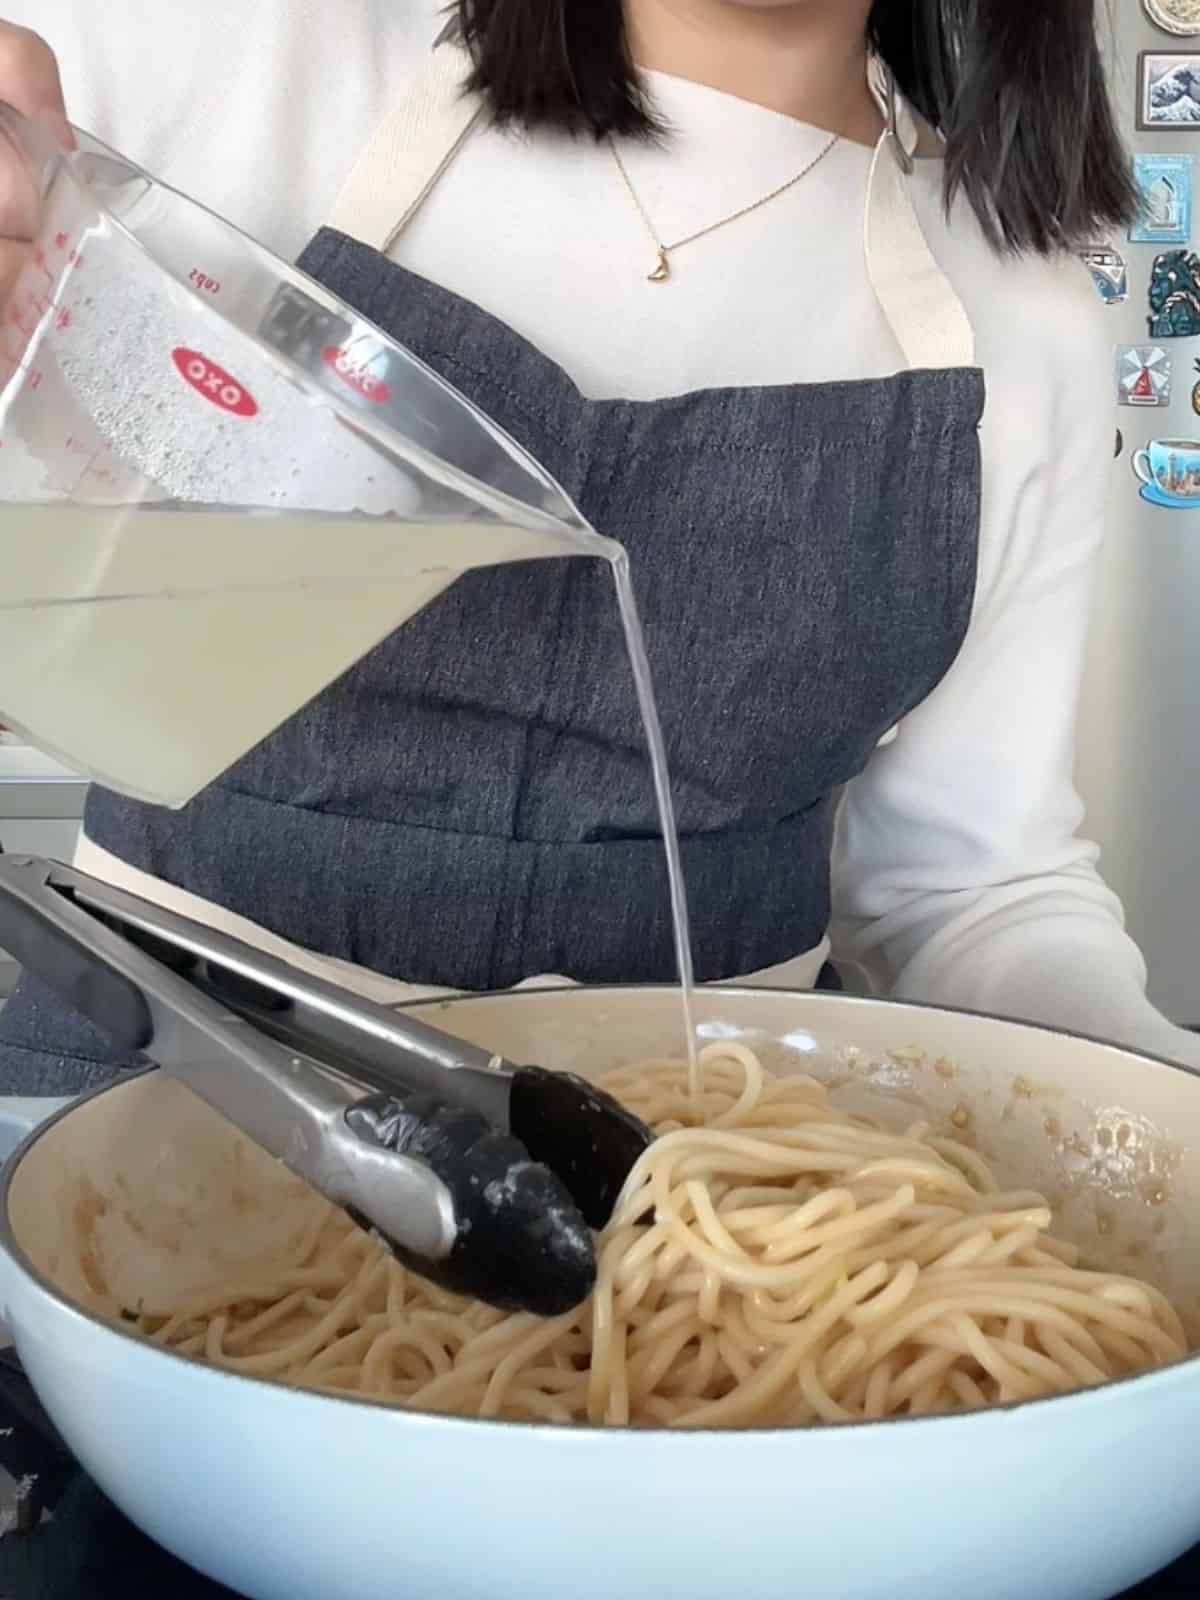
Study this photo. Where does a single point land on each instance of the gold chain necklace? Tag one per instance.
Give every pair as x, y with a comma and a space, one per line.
662, 271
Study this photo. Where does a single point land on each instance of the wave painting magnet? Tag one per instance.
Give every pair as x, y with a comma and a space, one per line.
1169, 91
1143, 375
1164, 184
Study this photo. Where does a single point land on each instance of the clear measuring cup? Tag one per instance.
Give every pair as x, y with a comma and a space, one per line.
219, 485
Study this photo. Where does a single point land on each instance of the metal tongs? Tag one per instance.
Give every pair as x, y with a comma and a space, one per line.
483, 1176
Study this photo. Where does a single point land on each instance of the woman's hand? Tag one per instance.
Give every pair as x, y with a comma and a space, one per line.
29, 81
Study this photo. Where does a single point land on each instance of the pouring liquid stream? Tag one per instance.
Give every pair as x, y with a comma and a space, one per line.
635, 644
152, 648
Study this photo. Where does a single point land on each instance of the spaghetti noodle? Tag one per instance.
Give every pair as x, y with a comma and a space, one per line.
772, 1262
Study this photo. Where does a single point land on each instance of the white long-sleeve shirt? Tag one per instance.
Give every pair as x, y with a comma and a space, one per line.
960, 876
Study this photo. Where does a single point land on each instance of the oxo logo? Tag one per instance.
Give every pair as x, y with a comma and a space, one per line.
214, 383
356, 375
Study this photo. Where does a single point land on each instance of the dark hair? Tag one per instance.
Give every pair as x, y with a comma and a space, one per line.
1015, 87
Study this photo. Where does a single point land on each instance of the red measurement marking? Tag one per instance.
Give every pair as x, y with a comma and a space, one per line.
61, 241
64, 320
214, 383
35, 379
355, 375
203, 281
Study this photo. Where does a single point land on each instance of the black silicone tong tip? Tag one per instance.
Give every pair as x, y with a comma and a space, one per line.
522, 1243
579, 1132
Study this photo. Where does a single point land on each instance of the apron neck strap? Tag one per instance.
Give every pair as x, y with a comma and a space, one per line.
419, 138
922, 307
408, 152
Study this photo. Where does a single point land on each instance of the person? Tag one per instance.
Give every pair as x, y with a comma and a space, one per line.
785, 295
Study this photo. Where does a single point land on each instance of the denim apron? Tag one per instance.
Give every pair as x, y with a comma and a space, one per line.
471, 804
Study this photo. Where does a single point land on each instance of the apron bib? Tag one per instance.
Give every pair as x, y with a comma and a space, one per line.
471, 804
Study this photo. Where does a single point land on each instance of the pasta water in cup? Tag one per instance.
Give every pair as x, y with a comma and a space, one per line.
219, 486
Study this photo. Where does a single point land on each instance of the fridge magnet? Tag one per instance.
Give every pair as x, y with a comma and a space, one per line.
1120, 444
1164, 185
1196, 394
1169, 473
1180, 17
1107, 267
1168, 90
1143, 375
1175, 296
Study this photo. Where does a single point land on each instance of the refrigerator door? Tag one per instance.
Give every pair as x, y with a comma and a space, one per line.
1139, 757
